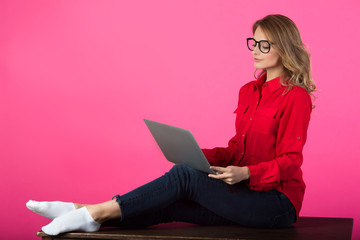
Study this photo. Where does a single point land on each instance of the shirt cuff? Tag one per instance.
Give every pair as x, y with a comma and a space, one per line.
254, 176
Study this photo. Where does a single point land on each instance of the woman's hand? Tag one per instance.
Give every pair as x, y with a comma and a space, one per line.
230, 174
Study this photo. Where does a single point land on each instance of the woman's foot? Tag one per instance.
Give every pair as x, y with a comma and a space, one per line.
87, 218
51, 210
79, 219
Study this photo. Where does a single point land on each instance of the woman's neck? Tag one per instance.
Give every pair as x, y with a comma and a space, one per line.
274, 73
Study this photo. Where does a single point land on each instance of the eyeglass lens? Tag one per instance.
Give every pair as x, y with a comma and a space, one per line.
264, 46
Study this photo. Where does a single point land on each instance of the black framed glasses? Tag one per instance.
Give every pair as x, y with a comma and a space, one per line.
264, 45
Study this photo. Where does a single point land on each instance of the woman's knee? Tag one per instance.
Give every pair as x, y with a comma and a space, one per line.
180, 167
184, 169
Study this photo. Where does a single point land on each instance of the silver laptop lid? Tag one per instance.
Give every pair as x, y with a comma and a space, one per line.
178, 145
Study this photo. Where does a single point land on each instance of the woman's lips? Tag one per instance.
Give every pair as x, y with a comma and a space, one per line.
257, 60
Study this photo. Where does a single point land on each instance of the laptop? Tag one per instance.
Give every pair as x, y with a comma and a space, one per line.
179, 145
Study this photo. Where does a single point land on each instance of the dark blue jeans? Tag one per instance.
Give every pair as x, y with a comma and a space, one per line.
188, 195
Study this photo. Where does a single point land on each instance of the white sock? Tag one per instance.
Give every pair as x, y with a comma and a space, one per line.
79, 219
50, 209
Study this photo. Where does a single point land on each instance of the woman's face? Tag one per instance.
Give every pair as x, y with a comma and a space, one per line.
270, 61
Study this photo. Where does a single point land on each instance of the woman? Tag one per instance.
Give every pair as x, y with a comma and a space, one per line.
259, 183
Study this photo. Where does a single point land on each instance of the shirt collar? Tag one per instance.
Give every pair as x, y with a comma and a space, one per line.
273, 84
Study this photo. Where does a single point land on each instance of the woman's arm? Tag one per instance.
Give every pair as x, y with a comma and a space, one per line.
222, 156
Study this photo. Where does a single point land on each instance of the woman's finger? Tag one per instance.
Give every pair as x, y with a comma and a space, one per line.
219, 176
214, 176
218, 169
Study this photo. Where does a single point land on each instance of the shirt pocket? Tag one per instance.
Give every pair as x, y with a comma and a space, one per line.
241, 109
264, 120
240, 122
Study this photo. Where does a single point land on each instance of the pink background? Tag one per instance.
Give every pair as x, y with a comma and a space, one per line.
78, 77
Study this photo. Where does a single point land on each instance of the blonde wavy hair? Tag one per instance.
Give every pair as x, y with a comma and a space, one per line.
295, 58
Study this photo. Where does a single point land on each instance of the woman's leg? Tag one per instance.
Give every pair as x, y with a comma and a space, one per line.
180, 211
234, 202
103, 211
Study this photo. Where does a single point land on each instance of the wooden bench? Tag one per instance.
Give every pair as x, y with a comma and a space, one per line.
307, 228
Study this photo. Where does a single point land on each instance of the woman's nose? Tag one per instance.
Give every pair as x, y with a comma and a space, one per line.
257, 49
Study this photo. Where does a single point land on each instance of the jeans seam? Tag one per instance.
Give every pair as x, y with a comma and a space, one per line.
118, 200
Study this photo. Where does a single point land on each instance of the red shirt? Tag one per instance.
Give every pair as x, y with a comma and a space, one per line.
271, 130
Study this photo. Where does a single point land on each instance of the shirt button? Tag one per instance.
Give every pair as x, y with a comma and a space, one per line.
242, 153
250, 118
243, 135
266, 84
298, 137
